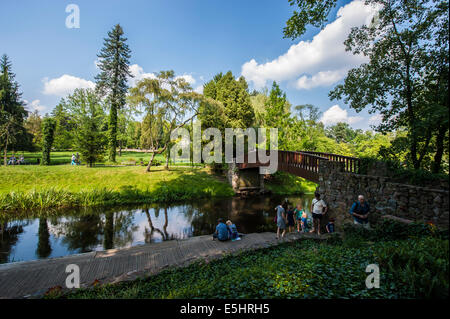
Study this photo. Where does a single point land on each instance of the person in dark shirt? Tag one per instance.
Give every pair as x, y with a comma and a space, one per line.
221, 232
290, 218
330, 226
360, 212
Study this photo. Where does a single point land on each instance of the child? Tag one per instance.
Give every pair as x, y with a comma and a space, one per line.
290, 218
304, 221
232, 230
330, 226
298, 216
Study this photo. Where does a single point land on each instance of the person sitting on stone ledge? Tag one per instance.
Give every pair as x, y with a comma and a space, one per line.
360, 212
221, 232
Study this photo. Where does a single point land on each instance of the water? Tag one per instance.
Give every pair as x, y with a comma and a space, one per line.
85, 230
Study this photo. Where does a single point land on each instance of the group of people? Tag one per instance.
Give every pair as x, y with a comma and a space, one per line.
14, 161
75, 159
286, 216
226, 231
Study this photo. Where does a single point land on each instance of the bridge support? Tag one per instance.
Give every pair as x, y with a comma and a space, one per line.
245, 181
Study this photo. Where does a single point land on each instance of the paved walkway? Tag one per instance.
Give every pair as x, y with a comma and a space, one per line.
34, 278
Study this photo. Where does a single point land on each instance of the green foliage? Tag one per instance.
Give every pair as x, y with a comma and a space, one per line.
13, 134
310, 12
406, 78
112, 80
48, 133
72, 186
65, 128
282, 183
237, 111
303, 269
87, 117
400, 173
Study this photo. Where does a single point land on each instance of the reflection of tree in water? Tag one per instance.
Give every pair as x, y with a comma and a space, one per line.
150, 233
43, 248
83, 233
118, 229
250, 215
9, 235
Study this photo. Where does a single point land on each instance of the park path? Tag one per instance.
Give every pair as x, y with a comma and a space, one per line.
34, 278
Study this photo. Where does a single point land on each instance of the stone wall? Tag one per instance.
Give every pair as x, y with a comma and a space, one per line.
340, 189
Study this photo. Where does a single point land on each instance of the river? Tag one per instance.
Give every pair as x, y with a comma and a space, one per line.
93, 229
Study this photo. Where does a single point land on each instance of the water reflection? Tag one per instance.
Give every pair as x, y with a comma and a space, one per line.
85, 230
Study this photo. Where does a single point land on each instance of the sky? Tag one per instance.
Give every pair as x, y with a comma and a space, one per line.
195, 38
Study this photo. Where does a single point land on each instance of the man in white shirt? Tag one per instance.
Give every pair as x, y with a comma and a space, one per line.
318, 209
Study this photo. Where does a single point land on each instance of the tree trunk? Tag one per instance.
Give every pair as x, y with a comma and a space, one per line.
167, 159
113, 132
150, 162
5, 160
436, 165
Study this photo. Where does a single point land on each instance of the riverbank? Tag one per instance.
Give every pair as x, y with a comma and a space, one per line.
34, 187
37, 187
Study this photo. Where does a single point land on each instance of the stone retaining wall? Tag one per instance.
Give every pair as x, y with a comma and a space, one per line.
340, 189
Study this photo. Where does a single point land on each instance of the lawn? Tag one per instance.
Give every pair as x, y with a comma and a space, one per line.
61, 185
413, 262
64, 157
33, 186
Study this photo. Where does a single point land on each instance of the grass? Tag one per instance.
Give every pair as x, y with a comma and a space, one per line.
413, 267
33, 187
64, 157
282, 183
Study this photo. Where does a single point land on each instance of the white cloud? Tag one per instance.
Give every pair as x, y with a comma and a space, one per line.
188, 78
139, 74
65, 85
318, 62
35, 105
322, 78
335, 115
199, 89
375, 119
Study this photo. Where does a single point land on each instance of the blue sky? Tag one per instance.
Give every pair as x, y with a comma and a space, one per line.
196, 38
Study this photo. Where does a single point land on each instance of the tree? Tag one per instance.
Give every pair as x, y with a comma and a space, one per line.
170, 103
341, 132
33, 125
311, 12
236, 111
48, 134
406, 78
87, 115
64, 134
12, 111
112, 80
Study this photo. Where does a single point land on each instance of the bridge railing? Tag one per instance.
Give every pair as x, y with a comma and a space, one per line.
303, 160
351, 164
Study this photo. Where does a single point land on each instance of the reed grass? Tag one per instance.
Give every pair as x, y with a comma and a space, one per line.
38, 187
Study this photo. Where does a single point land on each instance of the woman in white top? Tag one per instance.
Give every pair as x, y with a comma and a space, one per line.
318, 208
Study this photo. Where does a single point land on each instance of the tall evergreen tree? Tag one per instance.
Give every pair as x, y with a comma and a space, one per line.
112, 80
12, 111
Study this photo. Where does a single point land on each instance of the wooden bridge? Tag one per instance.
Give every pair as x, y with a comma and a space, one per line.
304, 163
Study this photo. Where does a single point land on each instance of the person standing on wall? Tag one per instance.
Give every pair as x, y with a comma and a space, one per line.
318, 209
